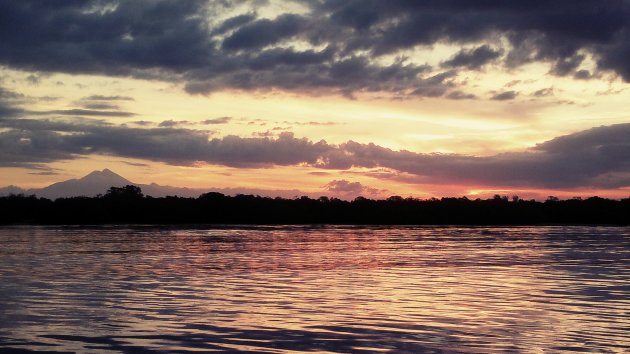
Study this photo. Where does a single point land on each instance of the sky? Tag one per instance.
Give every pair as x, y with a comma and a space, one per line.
328, 97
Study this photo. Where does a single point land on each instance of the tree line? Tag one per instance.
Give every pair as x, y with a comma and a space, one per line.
127, 205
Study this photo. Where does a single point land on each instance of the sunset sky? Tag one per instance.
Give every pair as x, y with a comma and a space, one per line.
339, 98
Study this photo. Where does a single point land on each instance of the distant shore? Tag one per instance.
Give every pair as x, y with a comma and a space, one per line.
127, 205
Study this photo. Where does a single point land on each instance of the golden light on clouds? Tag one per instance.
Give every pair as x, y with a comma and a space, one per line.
260, 71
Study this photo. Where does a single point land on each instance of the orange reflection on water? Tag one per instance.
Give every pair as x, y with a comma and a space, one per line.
322, 289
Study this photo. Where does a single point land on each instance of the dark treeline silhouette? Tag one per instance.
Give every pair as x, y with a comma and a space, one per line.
128, 205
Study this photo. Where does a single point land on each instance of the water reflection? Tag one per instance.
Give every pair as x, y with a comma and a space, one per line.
323, 289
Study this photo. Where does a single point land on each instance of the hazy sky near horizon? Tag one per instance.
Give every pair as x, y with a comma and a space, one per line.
343, 98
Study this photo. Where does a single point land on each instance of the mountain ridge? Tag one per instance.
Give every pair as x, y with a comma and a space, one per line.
95, 183
99, 181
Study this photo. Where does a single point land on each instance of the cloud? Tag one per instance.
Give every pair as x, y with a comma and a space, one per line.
70, 37
99, 109
101, 106
107, 98
346, 188
505, 96
576, 160
319, 173
14, 97
7, 109
172, 123
220, 120
143, 123
310, 123
434, 86
44, 173
6, 95
312, 71
582, 75
473, 59
234, 22
598, 157
331, 46
264, 32
38, 141
554, 31
543, 92
136, 164
459, 95
88, 112
565, 66
33, 79
265, 134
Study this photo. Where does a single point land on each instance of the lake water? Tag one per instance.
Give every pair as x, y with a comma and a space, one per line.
315, 289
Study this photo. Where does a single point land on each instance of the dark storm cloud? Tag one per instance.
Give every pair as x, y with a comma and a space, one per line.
264, 32
273, 57
582, 75
234, 22
28, 141
8, 99
599, 157
176, 40
20, 148
9, 111
103, 36
568, 65
473, 59
313, 71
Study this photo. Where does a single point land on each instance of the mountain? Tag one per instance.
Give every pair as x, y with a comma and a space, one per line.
98, 182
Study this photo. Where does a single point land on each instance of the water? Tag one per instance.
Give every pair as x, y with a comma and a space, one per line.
321, 289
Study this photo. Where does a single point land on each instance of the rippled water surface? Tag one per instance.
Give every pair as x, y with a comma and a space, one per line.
321, 289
